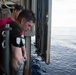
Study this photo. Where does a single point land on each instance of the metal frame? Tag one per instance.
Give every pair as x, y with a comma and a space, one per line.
49, 32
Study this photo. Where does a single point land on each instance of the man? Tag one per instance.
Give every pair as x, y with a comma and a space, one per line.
15, 12
23, 23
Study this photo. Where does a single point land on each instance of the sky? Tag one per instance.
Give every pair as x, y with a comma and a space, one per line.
63, 13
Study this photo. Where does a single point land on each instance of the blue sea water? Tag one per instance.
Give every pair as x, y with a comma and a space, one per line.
62, 54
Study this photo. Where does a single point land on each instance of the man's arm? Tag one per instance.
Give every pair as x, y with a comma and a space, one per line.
17, 57
24, 52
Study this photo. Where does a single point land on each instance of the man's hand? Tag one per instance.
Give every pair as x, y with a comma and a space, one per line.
25, 56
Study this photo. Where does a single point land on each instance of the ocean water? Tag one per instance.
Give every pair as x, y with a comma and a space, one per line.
62, 54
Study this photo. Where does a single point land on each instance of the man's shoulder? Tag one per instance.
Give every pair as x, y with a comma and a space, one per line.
14, 26
13, 23
5, 20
